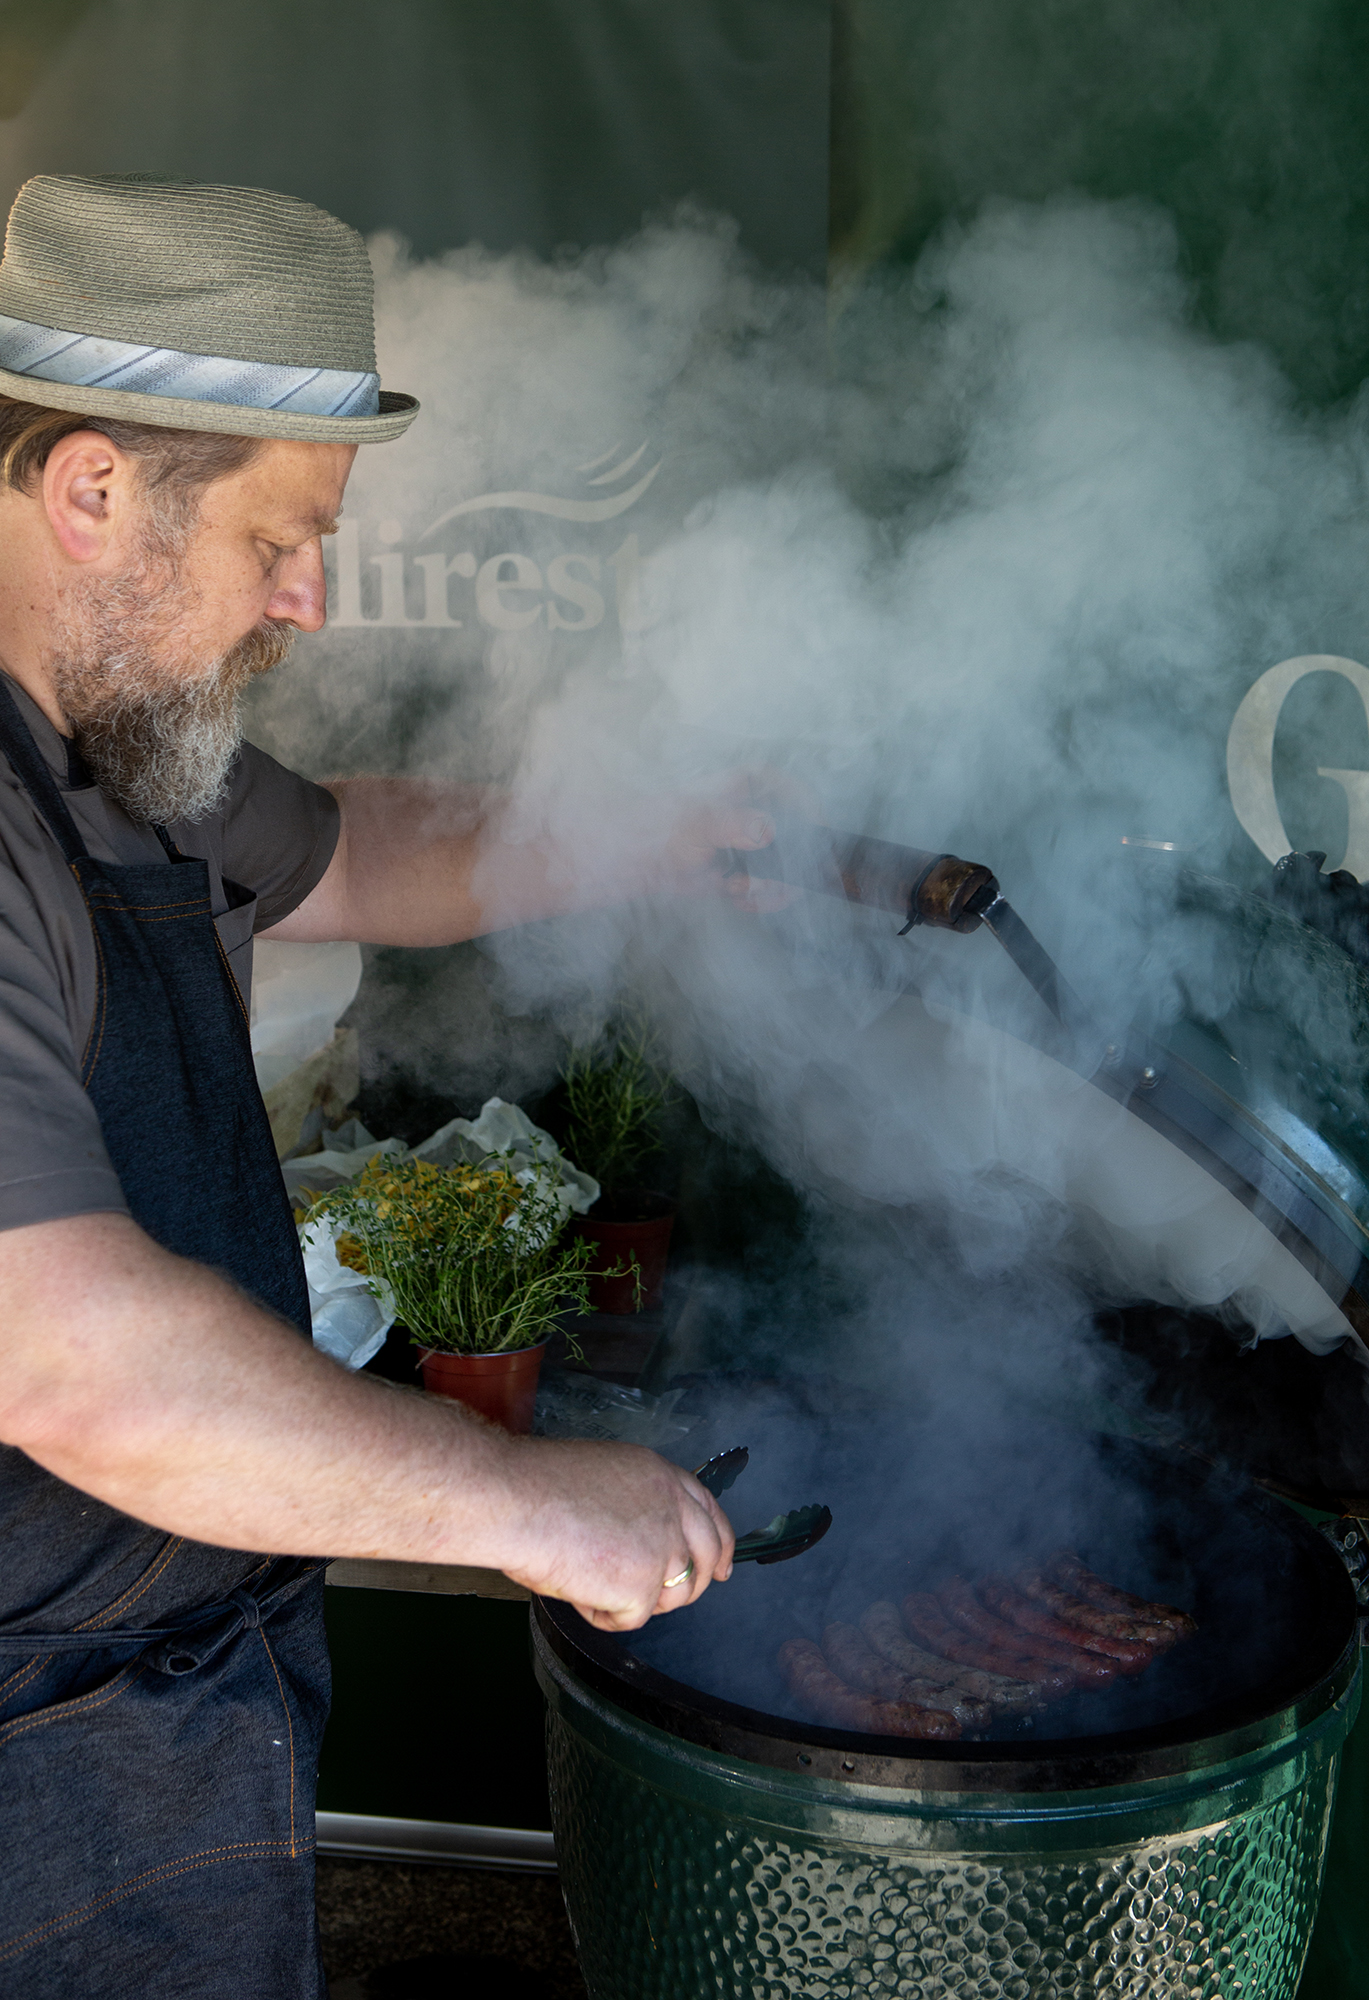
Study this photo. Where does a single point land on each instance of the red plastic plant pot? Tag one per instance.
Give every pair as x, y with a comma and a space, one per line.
502, 1387
631, 1232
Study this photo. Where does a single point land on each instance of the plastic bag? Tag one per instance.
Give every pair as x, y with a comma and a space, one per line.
581, 1406
351, 1313
533, 1154
341, 1158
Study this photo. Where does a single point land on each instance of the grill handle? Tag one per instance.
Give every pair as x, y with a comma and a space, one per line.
922, 888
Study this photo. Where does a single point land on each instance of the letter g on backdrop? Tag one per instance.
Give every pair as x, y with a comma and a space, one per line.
1250, 759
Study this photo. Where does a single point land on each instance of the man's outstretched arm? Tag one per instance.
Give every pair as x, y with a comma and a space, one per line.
424, 864
155, 1385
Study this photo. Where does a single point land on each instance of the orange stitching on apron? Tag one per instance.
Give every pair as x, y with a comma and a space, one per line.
200, 902
28, 1668
232, 982
110, 899
170, 1550
208, 1857
290, 1732
11, 1687
82, 1705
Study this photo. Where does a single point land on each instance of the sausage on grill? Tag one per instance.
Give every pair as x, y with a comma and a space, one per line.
928, 1624
1034, 1583
961, 1604
812, 1682
854, 1660
1067, 1570
1026, 1615
884, 1630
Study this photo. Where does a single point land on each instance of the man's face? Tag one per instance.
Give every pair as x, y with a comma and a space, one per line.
200, 595
256, 552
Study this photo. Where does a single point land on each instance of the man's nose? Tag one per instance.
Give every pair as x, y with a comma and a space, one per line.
301, 596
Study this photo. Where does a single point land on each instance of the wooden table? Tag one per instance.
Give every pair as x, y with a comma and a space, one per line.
437, 1579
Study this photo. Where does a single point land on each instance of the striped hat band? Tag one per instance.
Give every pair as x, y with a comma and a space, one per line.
86, 360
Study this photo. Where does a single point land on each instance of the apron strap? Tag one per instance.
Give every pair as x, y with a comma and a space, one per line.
16, 739
181, 1648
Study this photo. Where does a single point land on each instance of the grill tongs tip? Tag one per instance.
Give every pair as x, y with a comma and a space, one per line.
788, 1535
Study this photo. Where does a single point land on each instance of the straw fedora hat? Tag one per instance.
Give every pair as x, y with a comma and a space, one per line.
206, 308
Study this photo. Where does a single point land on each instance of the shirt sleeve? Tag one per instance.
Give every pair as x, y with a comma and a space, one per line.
279, 833
53, 1161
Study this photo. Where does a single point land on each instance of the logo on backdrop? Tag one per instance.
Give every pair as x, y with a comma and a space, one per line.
428, 589
1250, 759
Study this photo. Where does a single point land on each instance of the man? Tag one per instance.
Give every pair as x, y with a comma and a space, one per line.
185, 376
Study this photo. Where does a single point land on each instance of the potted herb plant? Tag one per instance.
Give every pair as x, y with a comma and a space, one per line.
472, 1258
615, 1093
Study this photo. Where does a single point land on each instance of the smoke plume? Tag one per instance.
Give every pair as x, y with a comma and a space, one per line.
982, 558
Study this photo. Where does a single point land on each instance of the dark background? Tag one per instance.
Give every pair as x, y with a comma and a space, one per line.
553, 122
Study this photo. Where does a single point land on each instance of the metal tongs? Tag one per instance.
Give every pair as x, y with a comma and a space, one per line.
786, 1536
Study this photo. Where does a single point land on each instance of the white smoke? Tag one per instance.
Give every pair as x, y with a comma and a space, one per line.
984, 561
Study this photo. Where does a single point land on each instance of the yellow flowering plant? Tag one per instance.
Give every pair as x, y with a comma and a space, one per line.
470, 1253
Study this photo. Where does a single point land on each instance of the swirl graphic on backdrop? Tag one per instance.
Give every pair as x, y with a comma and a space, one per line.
559, 508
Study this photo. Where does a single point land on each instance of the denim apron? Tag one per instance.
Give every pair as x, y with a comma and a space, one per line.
161, 1701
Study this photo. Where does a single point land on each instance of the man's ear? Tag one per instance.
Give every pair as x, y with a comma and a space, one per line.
87, 493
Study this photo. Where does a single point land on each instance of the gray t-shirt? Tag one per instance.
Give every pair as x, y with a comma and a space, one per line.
275, 836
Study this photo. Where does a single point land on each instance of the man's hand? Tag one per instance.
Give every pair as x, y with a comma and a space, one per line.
607, 1524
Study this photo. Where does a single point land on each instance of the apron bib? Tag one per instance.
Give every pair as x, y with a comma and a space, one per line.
161, 1701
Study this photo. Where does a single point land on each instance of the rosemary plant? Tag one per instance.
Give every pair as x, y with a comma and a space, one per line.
470, 1253
615, 1094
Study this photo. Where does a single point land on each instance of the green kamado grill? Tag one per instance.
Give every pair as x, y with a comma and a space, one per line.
1166, 1837
710, 1846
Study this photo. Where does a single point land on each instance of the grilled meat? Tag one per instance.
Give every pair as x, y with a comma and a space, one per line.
855, 1661
927, 1622
1034, 1583
1066, 1570
884, 1630
1029, 1615
961, 1604
812, 1682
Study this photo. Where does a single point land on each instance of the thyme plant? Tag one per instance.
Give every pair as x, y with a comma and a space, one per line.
469, 1252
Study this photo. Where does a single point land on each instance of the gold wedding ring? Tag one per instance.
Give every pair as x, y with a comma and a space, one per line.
683, 1577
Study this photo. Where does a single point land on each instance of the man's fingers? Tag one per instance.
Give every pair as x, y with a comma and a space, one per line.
742, 826
710, 1539
613, 1621
726, 1534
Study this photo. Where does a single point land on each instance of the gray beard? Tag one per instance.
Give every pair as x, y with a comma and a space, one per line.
159, 735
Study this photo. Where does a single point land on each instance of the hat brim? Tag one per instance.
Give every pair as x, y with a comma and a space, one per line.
179, 413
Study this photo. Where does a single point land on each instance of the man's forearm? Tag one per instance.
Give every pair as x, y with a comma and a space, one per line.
427, 864
158, 1387
161, 1389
